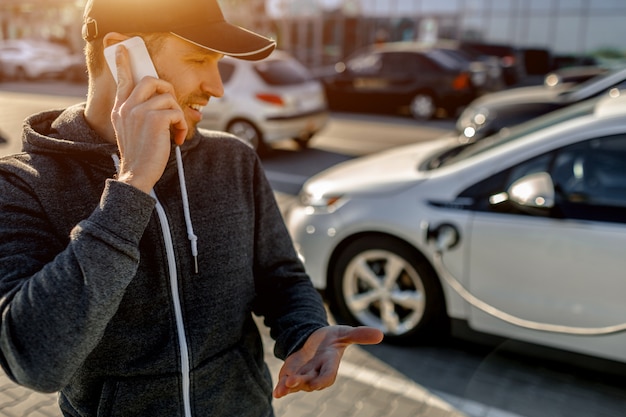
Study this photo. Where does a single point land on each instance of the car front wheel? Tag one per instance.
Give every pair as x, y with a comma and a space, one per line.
383, 283
423, 106
247, 132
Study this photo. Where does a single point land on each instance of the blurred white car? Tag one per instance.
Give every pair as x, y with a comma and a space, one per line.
23, 59
521, 235
266, 101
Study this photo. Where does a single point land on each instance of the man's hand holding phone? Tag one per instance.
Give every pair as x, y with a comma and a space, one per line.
145, 117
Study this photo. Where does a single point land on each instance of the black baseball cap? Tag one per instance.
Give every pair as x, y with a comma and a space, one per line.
198, 21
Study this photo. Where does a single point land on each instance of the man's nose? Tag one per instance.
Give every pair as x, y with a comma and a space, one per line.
212, 82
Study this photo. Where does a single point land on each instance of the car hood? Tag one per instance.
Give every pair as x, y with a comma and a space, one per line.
384, 172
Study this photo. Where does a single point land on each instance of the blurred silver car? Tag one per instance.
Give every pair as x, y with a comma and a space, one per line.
267, 101
22, 59
520, 235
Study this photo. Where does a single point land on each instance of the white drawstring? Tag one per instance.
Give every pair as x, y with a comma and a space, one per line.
116, 162
183, 191
173, 278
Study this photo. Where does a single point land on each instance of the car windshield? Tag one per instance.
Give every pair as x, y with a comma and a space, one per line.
465, 151
282, 72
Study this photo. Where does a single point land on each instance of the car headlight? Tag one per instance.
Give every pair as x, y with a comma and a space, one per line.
318, 200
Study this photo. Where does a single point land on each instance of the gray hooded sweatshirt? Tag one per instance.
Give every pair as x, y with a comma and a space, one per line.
98, 291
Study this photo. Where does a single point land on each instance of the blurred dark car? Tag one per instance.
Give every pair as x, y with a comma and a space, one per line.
485, 70
573, 75
400, 76
511, 59
538, 62
493, 112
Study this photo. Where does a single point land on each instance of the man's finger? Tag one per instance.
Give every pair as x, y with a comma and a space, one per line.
363, 336
124, 74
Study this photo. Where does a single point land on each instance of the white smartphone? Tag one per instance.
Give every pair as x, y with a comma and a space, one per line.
140, 61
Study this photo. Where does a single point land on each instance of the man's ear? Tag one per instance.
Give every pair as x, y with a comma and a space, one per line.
112, 38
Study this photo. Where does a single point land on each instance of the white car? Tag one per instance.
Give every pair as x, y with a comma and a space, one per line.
521, 235
27, 59
267, 101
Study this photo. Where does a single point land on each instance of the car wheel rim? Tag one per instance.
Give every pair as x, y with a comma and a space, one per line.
383, 290
422, 107
246, 132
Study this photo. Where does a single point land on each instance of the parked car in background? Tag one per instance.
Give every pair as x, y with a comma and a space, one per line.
402, 77
564, 61
573, 75
487, 74
23, 59
511, 58
76, 71
538, 61
266, 101
520, 235
492, 112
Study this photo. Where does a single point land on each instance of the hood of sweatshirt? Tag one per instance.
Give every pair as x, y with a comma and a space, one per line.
58, 132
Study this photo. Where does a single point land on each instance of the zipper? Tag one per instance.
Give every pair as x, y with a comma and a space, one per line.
180, 325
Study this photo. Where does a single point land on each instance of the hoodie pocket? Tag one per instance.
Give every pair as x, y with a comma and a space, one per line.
154, 396
233, 384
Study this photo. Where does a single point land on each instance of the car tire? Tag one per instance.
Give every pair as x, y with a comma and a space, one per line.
249, 133
406, 306
423, 106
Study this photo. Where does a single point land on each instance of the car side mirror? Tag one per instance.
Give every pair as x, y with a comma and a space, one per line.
533, 194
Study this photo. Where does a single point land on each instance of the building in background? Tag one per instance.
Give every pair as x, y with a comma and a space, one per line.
53, 20
322, 32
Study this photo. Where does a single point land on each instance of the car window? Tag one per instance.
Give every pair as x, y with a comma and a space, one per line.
282, 72
365, 64
589, 181
443, 59
226, 69
425, 63
398, 63
592, 172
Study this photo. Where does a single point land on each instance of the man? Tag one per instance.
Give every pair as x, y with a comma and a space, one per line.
128, 283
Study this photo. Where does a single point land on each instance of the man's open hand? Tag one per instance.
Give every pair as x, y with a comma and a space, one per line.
315, 365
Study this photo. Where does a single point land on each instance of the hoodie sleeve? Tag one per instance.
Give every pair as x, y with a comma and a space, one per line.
291, 306
56, 301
